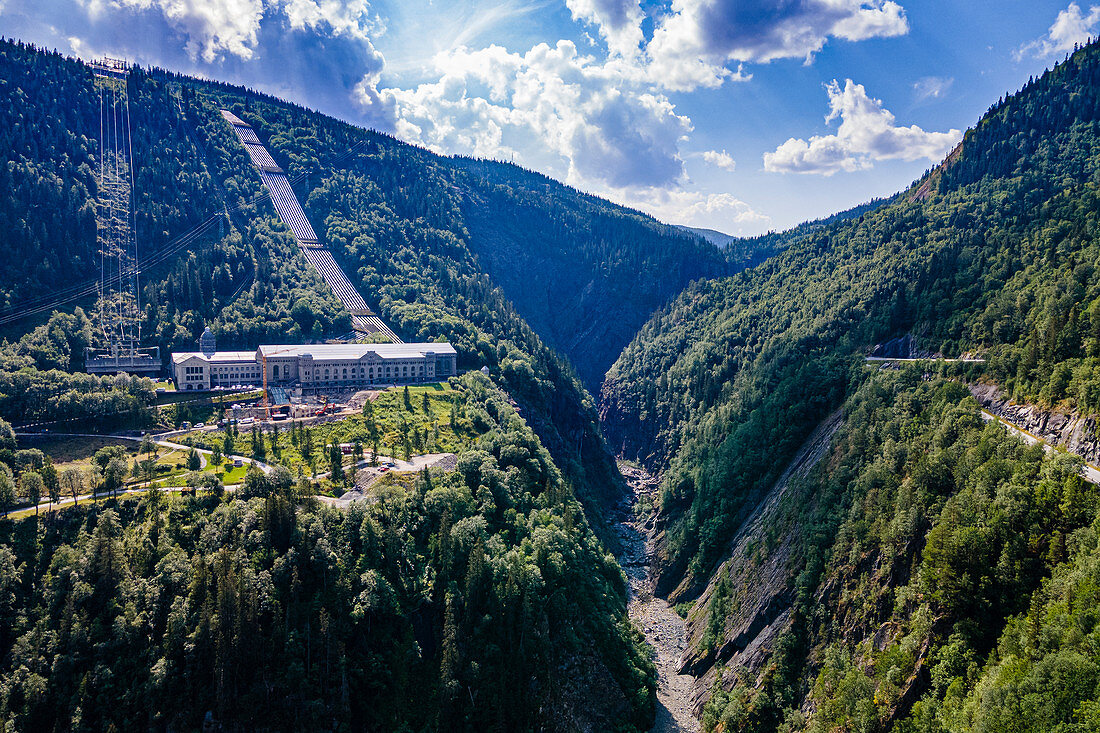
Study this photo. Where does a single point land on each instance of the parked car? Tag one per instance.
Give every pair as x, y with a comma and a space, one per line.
237, 463
383, 469
200, 425
185, 425
247, 421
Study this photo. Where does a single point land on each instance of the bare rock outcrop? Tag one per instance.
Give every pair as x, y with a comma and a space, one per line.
1068, 430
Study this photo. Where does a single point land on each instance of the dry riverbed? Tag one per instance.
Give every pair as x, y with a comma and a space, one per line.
663, 627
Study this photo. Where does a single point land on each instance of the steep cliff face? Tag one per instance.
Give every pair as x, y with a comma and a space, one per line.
871, 581
747, 604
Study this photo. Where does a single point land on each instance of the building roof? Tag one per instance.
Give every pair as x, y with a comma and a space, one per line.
358, 351
218, 357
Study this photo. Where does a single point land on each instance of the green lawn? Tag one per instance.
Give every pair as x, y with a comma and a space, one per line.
230, 475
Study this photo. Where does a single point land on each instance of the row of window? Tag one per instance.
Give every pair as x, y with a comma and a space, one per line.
359, 373
367, 372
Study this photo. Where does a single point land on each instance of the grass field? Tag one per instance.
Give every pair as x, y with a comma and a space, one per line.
76, 451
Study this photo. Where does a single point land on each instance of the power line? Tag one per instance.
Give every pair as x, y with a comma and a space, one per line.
56, 298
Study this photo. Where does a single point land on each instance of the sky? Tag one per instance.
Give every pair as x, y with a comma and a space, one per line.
737, 115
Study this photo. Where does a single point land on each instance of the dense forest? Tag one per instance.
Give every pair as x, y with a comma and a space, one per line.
930, 573
638, 265
993, 253
477, 599
217, 255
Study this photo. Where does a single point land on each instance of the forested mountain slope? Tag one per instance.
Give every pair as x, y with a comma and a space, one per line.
579, 254
584, 273
473, 600
997, 254
393, 217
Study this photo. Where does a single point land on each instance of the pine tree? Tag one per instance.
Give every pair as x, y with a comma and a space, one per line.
7, 491
336, 463
51, 481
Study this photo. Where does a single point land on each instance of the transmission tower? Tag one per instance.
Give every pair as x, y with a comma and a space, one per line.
118, 306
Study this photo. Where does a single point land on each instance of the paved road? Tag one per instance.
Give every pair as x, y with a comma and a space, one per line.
890, 358
85, 498
1090, 472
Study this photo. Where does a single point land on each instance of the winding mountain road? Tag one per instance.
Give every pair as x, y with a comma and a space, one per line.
1089, 472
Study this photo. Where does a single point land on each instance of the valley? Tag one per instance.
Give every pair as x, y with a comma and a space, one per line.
640, 481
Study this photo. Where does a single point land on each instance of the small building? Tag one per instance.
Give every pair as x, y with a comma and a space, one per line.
198, 371
315, 367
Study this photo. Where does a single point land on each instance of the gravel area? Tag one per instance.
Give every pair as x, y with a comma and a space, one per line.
663, 628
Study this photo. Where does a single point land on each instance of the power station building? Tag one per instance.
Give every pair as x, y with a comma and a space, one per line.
313, 367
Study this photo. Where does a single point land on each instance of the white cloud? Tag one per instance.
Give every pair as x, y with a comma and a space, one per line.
723, 159
216, 29
721, 211
212, 27
932, 87
866, 134
1070, 28
606, 124
553, 102
619, 22
353, 19
693, 44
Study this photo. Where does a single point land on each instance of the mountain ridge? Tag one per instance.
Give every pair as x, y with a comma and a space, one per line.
991, 252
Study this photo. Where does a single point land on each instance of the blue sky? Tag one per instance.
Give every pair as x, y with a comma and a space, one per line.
738, 115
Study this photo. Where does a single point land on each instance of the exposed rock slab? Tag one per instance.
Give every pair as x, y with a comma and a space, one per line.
760, 569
